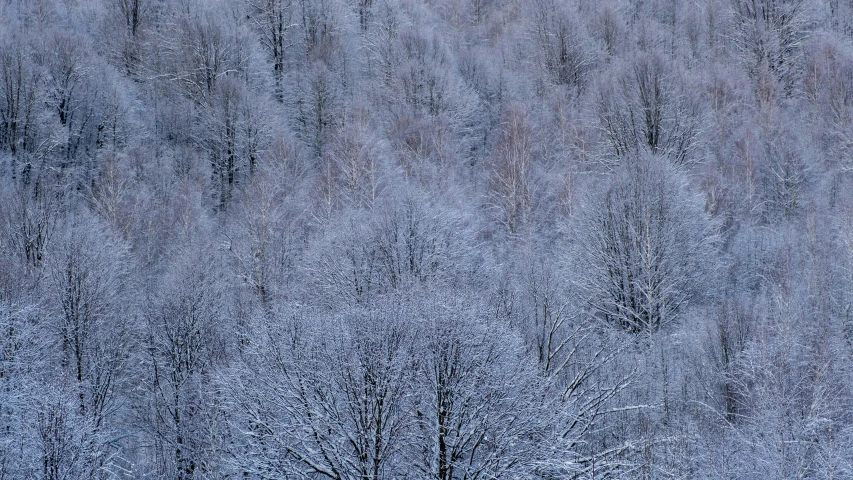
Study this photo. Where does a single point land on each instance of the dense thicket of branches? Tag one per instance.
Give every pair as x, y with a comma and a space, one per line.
445, 239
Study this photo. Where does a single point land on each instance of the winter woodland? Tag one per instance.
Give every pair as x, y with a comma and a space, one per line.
426, 239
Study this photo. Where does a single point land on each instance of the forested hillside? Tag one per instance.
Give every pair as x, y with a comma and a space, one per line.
426, 239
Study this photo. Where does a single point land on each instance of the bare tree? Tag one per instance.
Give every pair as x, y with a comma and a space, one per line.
267, 233
186, 344
19, 352
234, 133
561, 46
20, 92
649, 107
408, 243
202, 46
330, 406
275, 22
90, 281
126, 29
646, 248
511, 189
28, 224
770, 35
352, 172
479, 409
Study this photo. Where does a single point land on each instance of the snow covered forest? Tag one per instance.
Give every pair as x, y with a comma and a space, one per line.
426, 239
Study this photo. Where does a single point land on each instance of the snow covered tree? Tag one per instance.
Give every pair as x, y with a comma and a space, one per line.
646, 247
